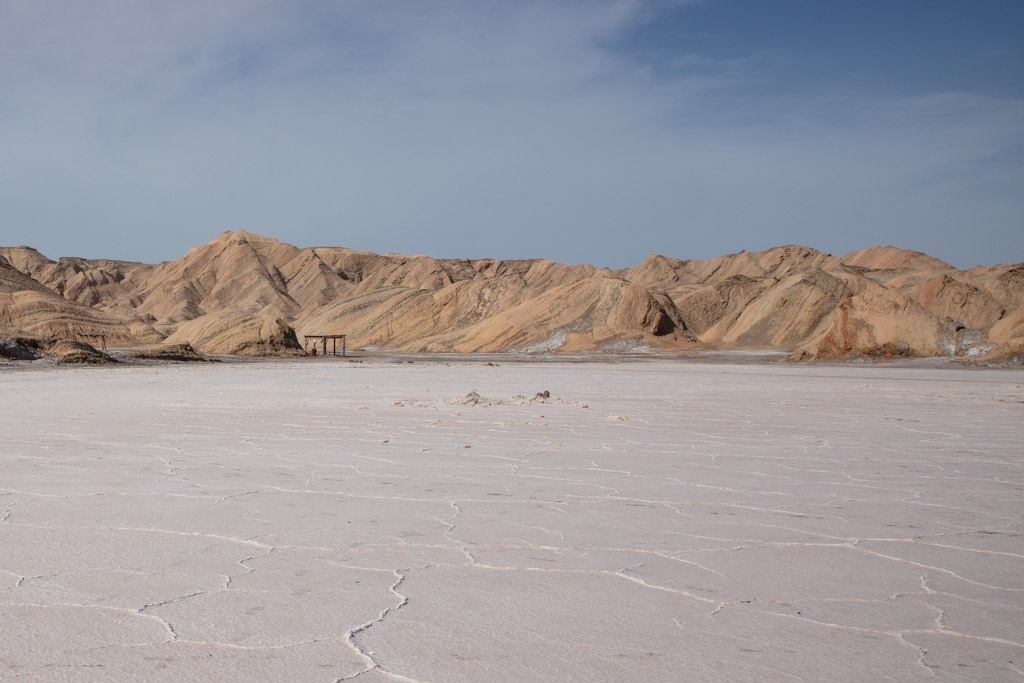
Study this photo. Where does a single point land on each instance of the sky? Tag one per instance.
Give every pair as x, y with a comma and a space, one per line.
584, 131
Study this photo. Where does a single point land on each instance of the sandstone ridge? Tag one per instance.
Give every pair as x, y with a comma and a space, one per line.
247, 294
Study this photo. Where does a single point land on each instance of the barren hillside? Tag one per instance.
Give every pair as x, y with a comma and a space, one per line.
248, 294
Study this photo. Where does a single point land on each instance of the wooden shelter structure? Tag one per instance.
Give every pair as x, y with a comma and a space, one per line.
323, 338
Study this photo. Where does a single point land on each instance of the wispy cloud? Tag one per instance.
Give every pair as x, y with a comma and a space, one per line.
461, 128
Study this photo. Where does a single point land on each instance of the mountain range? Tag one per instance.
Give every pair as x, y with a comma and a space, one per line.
252, 295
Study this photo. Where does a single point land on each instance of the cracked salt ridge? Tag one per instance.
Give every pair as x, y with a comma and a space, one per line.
555, 494
350, 636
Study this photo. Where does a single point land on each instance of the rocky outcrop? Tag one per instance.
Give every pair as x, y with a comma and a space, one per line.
880, 322
1006, 339
784, 314
964, 303
180, 352
61, 350
239, 333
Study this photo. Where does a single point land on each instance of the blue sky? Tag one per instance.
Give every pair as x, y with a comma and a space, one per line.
579, 130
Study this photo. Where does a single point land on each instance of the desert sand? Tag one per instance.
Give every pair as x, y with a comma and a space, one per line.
326, 520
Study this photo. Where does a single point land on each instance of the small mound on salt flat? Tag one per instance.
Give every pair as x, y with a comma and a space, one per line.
475, 399
173, 352
471, 399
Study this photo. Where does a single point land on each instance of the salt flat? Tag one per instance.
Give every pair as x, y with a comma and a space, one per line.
325, 520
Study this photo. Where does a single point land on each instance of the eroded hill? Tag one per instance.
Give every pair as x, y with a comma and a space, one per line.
248, 294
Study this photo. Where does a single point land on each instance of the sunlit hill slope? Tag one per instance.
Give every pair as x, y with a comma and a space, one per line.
253, 295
